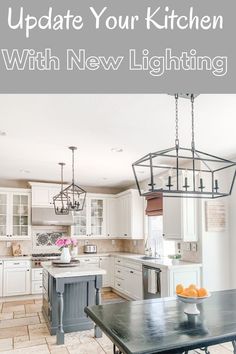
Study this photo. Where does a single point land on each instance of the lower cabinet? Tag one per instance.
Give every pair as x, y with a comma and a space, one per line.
16, 278
183, 275
105, 263
37, 281
128, 278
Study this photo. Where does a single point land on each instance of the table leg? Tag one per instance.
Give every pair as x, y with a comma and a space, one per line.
116, 351
234, 346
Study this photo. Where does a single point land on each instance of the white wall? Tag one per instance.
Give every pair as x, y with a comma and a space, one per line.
216, 254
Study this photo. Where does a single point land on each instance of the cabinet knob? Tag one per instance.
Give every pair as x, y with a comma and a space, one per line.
27, 270
131, 271
108, 234
163, 235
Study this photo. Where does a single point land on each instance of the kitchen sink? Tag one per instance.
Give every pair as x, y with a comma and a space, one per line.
148, 257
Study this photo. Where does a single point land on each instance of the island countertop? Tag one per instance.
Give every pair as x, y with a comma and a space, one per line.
78, 271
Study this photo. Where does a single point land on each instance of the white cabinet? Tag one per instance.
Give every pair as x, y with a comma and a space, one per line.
37, 280
184, 275
16, 278
180, 219
91, 221
15, 214
105, 263
111, 217
43, 193
128, 278
130, 215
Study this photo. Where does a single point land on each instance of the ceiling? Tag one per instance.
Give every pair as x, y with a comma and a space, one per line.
39, 128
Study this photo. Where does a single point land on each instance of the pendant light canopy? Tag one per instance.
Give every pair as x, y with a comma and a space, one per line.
75, 195
60, 201
184, 172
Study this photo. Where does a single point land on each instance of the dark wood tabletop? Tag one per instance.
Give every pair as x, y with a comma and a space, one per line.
160, 325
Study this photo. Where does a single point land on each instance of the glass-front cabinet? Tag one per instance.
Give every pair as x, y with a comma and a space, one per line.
3, 213
91, 221
15, 215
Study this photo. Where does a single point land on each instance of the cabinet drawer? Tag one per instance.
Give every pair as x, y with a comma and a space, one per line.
119, 261
132, 265
119, 272
37, 274
16, 264
37, 287
119, 284
89, 260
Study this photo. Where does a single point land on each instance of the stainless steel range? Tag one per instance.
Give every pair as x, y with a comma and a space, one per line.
38, 258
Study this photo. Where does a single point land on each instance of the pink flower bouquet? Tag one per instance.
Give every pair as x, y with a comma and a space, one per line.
63, 242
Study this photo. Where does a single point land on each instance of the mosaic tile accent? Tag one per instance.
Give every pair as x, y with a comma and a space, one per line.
47, 238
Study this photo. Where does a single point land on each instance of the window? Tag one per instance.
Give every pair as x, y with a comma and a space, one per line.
155, 241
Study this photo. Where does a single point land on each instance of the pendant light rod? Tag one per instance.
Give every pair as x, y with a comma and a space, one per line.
73, 148
62, 164
177, 121
193, 128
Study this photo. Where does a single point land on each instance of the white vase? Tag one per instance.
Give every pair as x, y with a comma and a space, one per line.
65, 255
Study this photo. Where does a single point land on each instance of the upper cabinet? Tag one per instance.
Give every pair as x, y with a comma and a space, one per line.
109, 216
15, 214
130, 215
180, 219
91, 221
43, 193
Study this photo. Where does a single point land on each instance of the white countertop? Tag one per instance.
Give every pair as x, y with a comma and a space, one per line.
12, 258
163, 262
78, 271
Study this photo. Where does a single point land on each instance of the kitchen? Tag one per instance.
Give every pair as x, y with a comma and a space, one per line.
119, 235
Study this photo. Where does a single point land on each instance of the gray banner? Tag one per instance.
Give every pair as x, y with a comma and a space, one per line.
117, 46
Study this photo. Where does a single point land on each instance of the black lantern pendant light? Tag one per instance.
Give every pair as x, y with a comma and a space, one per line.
60, 201
75, 195
184, 172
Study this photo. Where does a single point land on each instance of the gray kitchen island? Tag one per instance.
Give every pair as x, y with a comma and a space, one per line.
66, 292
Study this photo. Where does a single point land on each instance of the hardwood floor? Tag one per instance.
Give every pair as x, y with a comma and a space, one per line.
23, 331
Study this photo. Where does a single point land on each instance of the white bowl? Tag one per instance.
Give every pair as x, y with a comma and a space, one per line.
191, 303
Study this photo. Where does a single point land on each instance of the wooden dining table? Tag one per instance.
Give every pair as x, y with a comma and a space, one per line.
160, 326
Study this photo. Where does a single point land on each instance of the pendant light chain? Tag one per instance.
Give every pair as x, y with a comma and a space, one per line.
176, 121
193, 133
62, 165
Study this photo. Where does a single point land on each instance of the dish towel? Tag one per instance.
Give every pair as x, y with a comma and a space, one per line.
152, 281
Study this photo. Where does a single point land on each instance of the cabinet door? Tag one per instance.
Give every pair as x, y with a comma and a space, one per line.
16, 282
20, 215
97, 221
111, 217
40, 197
124, 216
105, 264
134, 284
80, 226
185, 276
172, 218
189, 219
4, 214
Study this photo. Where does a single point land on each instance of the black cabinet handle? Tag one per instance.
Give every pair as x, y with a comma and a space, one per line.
131, 271
118, 271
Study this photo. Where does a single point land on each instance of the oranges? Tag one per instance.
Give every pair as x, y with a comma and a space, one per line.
191, 291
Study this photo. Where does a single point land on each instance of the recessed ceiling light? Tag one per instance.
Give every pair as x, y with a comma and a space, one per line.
116, 150
22, 170
2, 133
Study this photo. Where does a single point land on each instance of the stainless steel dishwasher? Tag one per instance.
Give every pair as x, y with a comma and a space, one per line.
151, 282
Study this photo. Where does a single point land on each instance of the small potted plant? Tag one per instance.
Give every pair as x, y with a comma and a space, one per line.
63, 244
73, 248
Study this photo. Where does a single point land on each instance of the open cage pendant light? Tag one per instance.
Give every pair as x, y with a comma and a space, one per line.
75, 195
60, 201
184, 172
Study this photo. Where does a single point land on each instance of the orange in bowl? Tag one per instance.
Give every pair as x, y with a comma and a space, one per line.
193, 286
191, 292
202, 292
179, 289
